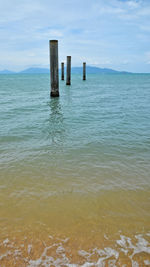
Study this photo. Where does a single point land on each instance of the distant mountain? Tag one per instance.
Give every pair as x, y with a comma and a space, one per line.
92, 70
76, 70
35, 70
6, 72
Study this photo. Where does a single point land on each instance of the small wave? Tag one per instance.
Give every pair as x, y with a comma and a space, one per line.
124, 252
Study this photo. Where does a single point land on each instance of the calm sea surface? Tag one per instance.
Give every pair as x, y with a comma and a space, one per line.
75, 171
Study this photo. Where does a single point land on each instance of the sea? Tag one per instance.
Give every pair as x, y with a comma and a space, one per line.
75, 171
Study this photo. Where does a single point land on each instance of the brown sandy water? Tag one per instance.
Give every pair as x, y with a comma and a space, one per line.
106, 229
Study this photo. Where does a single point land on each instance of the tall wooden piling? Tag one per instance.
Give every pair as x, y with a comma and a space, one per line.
68, 78
62, 71
54, 73
84, 71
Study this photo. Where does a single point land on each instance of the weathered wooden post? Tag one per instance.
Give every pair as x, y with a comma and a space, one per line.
54, 73
68, 79
84, 71
62, 71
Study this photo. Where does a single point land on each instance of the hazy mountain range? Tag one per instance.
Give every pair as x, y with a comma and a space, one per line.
76, 70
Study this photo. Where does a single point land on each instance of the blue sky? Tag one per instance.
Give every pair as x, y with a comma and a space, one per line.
104, 33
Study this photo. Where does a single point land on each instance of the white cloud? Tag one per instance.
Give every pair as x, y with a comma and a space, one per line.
102, 32
133, 4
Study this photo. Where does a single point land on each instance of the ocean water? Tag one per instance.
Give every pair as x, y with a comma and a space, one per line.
75, 171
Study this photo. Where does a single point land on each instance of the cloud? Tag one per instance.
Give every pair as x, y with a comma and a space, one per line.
102, 32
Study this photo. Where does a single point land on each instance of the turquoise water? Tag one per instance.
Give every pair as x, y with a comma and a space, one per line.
91, 141
98, 126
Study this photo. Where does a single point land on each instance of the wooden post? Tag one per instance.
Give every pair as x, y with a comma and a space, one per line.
62, 71
54, 73
68, 79
84, 71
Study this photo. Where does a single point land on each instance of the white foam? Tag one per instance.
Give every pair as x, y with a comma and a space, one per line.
17, 252
5, 255
87, 264
147, 262
135, 264
122, 241
6, 241
60, 250
84, 254
109, 254
29, 249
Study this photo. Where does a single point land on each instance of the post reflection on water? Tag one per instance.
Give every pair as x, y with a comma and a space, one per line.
55, 124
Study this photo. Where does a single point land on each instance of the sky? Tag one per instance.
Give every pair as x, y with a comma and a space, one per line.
104, 33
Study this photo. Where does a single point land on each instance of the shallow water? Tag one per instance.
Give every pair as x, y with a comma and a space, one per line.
75, 172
